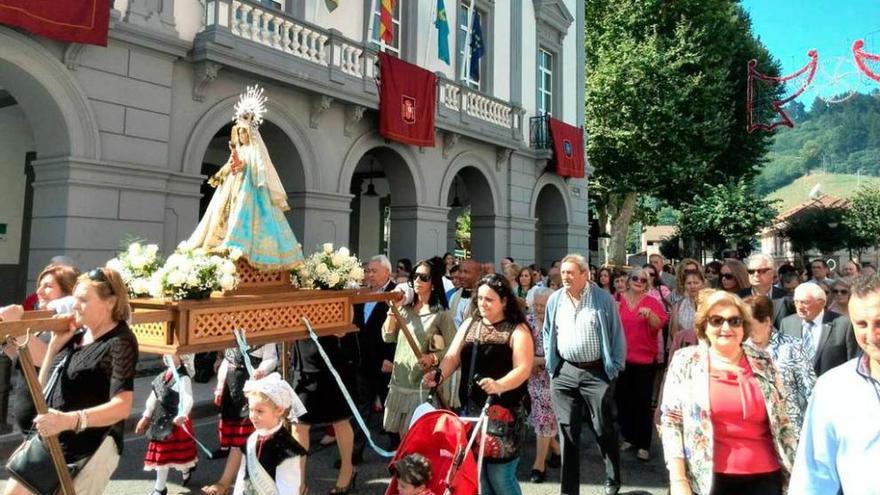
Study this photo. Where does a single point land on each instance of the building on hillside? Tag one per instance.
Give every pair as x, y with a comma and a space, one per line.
775, 245
107, 142
653, 235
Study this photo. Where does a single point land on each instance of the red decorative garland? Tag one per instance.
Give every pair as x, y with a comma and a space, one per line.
809, 68
860, 56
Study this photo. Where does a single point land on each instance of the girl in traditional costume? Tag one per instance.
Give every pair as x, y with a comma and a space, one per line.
246, 213
271, 456
167, 425
235, 425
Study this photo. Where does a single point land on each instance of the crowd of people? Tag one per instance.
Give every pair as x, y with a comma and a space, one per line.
757, 379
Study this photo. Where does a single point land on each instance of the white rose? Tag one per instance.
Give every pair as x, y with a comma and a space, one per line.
192, 280
184, 265
156, 285
357, 273
138, 262
227, 282
115, 264
328, 247
235, 254
151, 250
228, 267
134, 248
183, 246
176, 277
337, 260
140, 286
321, 269
333, 279
343, 251
199, 252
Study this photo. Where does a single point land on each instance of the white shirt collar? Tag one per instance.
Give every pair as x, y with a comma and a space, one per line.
818, 319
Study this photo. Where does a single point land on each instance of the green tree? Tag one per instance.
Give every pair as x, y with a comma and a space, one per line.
817, 227
726, 215
863, 218
665, 96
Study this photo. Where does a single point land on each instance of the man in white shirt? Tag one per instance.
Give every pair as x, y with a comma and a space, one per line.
460, 300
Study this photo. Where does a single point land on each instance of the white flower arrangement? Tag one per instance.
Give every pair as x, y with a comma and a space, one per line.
193, 273
136, 264
327, 269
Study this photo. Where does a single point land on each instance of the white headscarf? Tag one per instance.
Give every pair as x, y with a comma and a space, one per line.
279, 392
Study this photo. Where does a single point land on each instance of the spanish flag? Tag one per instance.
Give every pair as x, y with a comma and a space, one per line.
386, 16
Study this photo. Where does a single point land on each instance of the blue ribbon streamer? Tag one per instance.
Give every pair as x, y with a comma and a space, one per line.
243, 348
357, 414
170, 363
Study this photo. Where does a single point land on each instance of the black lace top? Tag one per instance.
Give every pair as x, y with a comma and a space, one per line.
494, 360
92, 375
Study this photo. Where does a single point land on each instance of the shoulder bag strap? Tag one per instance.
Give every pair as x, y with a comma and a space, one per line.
473, 369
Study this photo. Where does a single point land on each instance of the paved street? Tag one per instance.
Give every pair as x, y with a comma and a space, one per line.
640, 478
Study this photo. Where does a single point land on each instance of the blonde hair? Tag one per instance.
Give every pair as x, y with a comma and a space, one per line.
720, 297
108, 283
680, 273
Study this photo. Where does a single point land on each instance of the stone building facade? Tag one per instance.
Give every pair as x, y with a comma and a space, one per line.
104, 143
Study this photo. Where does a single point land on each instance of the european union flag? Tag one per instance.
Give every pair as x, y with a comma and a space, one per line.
442, 26
477, 48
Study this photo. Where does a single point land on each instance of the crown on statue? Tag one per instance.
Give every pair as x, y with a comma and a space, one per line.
250, 107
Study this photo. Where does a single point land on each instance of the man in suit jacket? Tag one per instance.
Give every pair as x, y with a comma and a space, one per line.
376, 356
761, 276
827, 336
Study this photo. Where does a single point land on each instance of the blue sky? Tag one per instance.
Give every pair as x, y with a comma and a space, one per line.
790, 28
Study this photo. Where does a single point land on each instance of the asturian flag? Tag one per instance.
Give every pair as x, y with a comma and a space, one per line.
442, 25
477, 48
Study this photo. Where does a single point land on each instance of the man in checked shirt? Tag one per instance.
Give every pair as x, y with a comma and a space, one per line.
585, 349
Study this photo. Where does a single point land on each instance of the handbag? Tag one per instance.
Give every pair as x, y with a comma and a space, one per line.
30, 464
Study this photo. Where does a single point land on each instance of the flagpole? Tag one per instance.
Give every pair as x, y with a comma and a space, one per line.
466, 58
370, 21
433, 17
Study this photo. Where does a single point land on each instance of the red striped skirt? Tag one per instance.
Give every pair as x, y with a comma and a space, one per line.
177, 451
234, 432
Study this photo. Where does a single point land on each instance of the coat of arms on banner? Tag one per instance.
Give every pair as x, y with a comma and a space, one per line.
566, 144
408, 109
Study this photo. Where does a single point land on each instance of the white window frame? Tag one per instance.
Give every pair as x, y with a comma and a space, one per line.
462, 17
545, 94
394, 47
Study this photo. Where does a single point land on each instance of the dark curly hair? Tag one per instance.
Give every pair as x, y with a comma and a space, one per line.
513, 311
437, 300
414, 469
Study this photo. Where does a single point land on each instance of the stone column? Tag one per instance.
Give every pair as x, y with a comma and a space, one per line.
490, 237
319, 217
418, 232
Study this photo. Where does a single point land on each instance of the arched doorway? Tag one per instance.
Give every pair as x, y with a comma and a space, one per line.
471, 215
551, 236
43, 115
383, 205
285, 158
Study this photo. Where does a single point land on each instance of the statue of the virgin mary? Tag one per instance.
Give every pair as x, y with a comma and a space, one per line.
246, 212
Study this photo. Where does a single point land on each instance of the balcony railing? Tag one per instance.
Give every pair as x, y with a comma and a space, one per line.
255, 22
539, 133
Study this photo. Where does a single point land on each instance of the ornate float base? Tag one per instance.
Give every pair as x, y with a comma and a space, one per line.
253, 281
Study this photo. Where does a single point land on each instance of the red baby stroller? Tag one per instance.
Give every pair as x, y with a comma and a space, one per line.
442, 437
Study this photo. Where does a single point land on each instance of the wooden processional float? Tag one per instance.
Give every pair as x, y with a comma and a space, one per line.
265, 305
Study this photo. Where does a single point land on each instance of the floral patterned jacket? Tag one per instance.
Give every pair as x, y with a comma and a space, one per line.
685, 418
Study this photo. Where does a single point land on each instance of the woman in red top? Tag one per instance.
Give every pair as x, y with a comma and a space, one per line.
642, 317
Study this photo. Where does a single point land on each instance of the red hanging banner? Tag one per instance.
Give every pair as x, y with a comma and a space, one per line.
80, 21
407, 94
568, 149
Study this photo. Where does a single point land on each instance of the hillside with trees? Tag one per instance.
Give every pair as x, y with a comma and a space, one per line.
833, 138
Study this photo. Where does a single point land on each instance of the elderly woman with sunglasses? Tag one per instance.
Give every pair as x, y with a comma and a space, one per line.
430, 324
643, 318
723, 421
92, 367
840, 296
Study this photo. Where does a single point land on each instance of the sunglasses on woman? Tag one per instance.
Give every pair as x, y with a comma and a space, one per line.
424, 277
98, 275
733, 321
727, 276
840, 291
636, 278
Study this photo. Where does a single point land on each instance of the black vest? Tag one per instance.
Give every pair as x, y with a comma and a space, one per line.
275, 450
162, 420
